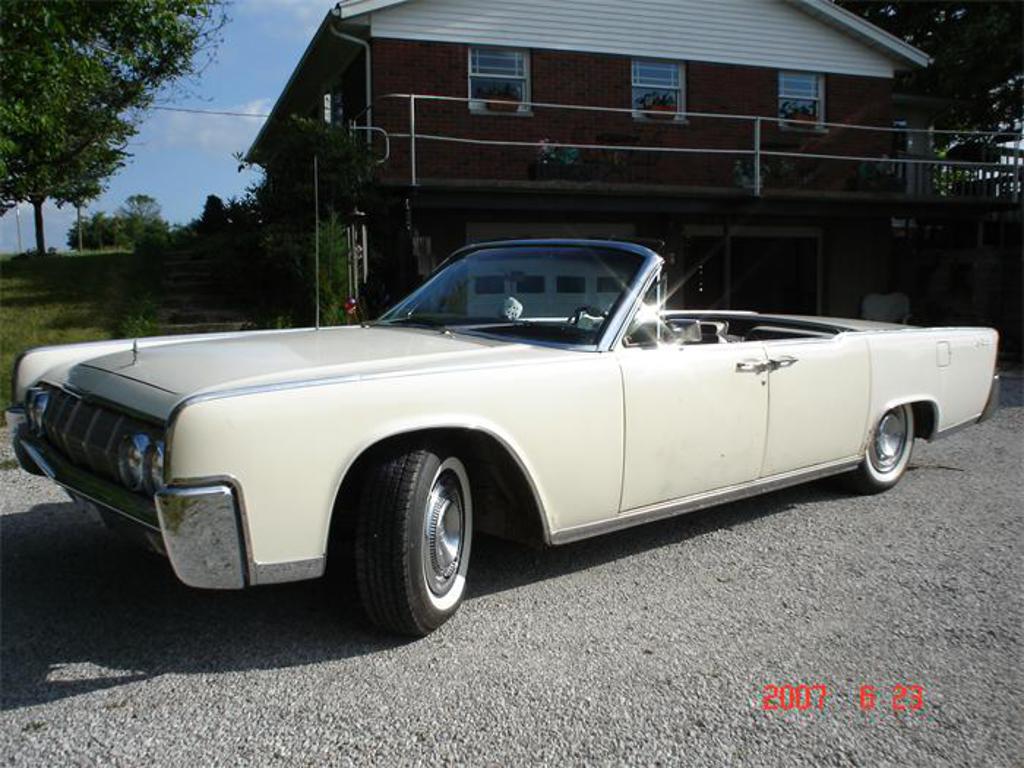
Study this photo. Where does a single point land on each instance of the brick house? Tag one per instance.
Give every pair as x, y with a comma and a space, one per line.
754, 140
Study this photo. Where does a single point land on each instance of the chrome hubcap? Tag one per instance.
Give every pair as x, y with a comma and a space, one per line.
890, 440
443, 531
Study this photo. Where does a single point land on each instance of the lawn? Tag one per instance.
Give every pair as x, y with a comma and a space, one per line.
64, 299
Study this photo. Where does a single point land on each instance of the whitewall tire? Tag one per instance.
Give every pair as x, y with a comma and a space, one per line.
888, 452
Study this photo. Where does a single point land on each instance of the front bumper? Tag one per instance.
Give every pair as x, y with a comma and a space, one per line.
16, 420
203, 537
199, 527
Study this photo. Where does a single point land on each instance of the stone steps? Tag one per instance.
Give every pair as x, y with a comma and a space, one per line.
189, 315
192, 299
182, 329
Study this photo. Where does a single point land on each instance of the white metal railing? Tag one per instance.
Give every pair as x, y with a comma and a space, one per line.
914, 176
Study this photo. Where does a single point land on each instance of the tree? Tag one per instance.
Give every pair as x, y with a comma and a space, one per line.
977, 50
137, 221
268, 247
140, 220
76, 77
286, 193
214, 218
142, 208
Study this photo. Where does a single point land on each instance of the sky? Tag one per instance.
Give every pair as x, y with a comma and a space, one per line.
180, 158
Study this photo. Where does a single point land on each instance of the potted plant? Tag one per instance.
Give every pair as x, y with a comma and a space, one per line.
501, 98
659, 106
797, 112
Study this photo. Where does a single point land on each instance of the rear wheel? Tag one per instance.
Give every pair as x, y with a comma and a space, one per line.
888, 452
413, 535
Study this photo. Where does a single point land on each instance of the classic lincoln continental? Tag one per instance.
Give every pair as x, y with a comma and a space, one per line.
533, 390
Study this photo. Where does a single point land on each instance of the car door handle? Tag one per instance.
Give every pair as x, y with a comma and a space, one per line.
781, 362
752, 366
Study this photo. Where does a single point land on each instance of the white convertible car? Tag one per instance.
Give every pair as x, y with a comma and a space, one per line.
534, 390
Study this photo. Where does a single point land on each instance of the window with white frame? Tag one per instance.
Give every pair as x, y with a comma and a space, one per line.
801, 97
658, 89
499, 80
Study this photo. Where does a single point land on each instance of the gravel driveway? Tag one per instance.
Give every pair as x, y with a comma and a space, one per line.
652, 645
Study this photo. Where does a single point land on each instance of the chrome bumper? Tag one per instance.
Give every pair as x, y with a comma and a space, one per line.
992, 405
200, 527
16, 421
203, 536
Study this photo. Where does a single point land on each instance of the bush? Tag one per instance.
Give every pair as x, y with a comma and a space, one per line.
139, 319
263, 244
136, 221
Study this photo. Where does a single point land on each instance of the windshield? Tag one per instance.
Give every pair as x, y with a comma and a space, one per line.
553, 293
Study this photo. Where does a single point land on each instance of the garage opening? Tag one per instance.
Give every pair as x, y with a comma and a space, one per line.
763, 269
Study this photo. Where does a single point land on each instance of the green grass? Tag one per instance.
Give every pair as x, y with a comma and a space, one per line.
9, 255
64, 299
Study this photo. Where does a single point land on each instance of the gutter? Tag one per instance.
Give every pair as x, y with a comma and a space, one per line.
326, 23
365, 45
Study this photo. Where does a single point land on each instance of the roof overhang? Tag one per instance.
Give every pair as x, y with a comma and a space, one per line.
824, 10
326, 55
901, 52
349, 9
327, 52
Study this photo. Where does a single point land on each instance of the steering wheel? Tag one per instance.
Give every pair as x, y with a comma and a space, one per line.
588, 311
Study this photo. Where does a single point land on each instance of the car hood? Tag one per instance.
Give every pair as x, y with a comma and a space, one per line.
155, 378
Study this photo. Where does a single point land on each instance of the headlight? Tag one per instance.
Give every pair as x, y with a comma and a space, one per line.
154, 467
37, 400
131, 459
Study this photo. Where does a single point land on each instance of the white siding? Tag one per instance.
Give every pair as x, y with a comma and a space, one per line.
767, 33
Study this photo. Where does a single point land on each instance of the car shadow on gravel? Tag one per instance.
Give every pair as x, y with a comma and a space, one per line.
508, 565
83, 610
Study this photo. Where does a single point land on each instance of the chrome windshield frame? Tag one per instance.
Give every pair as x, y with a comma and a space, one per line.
613, 328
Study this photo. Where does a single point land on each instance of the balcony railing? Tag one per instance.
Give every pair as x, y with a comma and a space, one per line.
536, 144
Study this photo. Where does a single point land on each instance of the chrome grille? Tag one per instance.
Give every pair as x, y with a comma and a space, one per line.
89, 435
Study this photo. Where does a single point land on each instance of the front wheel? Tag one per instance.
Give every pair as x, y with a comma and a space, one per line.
413, 536
888, 452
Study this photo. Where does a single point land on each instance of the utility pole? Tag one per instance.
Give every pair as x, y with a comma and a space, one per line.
17, 219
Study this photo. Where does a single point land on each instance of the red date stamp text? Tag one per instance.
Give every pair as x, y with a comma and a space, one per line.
802, 698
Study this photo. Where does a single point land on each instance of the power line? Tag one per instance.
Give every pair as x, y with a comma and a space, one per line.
210, 112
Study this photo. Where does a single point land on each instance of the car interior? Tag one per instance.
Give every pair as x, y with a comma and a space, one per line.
681, 328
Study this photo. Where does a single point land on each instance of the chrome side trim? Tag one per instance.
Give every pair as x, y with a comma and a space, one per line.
291, 570
327, 381
942, 434
202, 535
100, 492
991, 406
700, 501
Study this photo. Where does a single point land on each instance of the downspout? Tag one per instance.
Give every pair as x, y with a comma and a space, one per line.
336, 12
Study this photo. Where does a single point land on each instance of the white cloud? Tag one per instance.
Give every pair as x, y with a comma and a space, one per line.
215, 134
